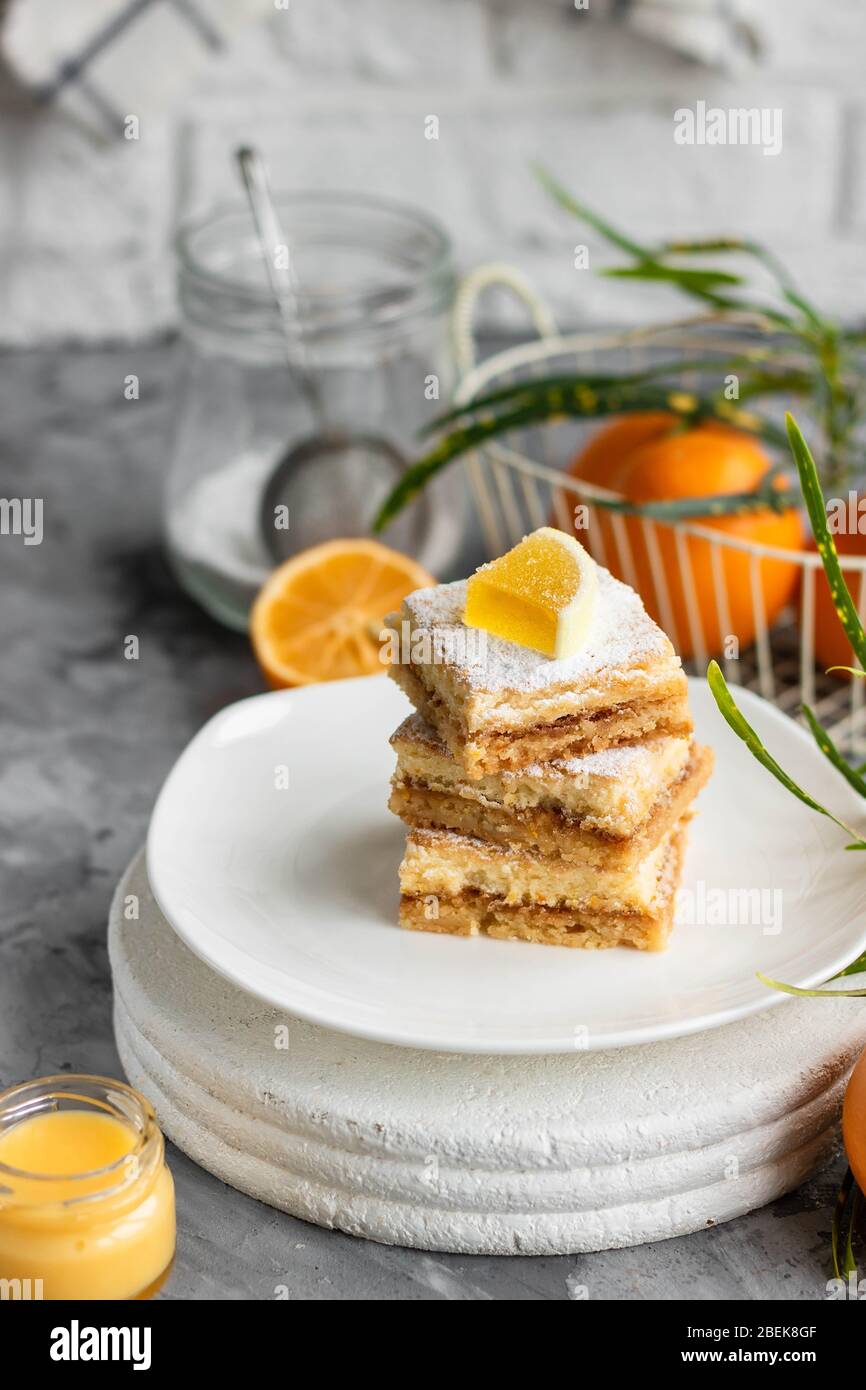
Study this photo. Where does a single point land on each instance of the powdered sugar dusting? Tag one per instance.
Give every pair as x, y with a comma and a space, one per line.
416, 728
634, 760
621, 635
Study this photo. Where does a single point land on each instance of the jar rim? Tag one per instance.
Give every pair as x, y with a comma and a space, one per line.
438, 262
74, 1086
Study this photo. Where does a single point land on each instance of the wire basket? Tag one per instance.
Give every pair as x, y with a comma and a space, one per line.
518, 483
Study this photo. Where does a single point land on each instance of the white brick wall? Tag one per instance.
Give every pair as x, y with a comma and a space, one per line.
392, 42
335, 92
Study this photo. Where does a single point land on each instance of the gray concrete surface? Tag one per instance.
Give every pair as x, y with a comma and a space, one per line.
87, 738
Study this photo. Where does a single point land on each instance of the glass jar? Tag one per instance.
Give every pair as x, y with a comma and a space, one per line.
375, 284
86, 1200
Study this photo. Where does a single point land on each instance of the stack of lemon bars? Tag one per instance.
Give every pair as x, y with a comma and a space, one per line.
548, 774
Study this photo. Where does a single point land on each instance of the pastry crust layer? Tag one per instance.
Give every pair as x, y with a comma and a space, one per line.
487, 684
569, 736
444, 863
472, 913
545, 830
611, 792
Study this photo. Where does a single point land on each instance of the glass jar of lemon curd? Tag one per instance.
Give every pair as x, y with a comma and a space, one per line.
86, 1199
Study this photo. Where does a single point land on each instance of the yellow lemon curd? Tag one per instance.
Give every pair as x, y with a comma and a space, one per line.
86, 1200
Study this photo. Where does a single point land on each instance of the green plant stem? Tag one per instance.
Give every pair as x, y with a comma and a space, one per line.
845, 1216
814, 499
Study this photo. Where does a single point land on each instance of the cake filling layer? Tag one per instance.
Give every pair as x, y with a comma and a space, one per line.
568, 737
541, 830
446, 864
612, 792
473, 913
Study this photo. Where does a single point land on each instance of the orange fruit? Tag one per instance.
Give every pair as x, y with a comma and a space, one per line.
854, 1122
832, 647
609, 446
318, 616
652, 460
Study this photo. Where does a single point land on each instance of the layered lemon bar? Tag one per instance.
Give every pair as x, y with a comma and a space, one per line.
498, 705
463, 886
609, 808
549, 771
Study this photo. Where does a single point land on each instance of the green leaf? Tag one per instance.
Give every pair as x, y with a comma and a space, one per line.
843, 1265
418, 474
645, 255
792, 383
704, 247
798, 302
853, 1223
740, 246
686, 279
760, 253
573, 400
604, 229
700, 284
626, 389
811, 993
720, 366
814, 499
696, 508
743, 729
831, 752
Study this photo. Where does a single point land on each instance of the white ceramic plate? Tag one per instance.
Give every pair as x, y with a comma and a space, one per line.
291, 891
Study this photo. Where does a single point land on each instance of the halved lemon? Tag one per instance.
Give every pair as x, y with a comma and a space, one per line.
318, 617
541, 594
